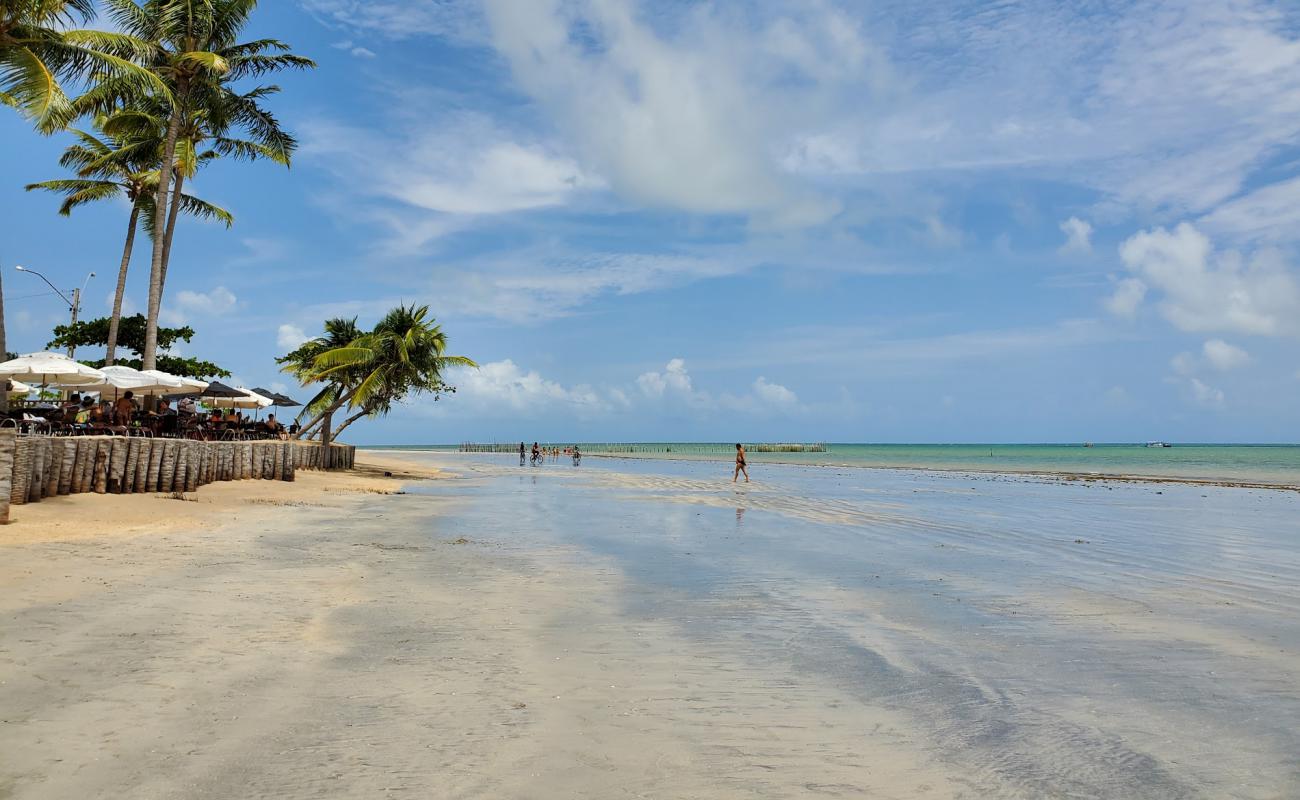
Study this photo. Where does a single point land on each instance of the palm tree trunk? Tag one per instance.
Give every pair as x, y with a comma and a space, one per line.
171, 229
339, 430
116, 320
325, 439
330, 409
150, 354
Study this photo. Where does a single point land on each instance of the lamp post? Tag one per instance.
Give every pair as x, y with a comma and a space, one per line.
74, 302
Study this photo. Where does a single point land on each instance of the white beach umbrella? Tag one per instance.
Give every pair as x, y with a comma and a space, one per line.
250, 399
18, 387
186, 385
52, 369
152, 382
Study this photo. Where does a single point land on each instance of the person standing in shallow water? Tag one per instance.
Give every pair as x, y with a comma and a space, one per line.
740, 464
521, 454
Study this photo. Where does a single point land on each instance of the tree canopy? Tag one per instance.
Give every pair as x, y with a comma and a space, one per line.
94, 333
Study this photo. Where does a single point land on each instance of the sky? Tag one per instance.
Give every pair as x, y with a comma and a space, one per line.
759, 220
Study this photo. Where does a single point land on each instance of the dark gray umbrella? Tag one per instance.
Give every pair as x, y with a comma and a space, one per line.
219, 389
278, 400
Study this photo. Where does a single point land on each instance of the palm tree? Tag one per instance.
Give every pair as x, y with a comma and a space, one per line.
195, 51
301, 363
111, 167
39, 48
405, 354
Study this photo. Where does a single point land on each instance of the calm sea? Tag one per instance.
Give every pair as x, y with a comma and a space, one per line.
1233, 462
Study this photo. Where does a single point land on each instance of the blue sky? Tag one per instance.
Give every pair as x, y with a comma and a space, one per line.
759, 220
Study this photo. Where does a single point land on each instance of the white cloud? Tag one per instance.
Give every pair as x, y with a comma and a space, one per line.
1208, 291
1078, 236
289, 337
1207, 396
1223, 356
502, 385
398, 19
774, 394
674, 380
1270, 213
461, 164
674, 121
355, 49
1127, 297
1184, 364
1117, 396
217, 301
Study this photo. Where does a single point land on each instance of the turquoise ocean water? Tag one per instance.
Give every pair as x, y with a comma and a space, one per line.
1230, 462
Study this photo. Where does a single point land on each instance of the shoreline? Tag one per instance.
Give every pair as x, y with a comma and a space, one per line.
1060, 475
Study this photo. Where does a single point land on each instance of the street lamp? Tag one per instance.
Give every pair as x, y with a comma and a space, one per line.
74, 303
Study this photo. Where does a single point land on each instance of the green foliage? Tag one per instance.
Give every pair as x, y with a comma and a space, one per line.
40, 48
369, 371
94, 333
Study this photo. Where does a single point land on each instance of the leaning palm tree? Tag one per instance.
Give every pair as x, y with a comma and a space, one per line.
109, 167
405, 354
196, 52
301, 363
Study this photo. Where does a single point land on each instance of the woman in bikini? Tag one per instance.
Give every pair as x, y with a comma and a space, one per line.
740, 464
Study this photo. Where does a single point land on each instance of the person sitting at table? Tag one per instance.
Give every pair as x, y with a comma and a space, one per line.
81, 417
230, 415
274, 427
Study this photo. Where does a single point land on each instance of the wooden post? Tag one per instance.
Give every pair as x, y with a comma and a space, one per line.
85, 462
22, 471
54, 467
132, 465
67, 468
36, 480
8, 446
154, 476
102, 450
167, 466
117, 463
142, 464
194, 476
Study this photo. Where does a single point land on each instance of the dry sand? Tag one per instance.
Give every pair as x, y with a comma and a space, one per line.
326, 639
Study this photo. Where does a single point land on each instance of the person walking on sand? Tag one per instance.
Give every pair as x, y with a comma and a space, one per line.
740, 464
521, 454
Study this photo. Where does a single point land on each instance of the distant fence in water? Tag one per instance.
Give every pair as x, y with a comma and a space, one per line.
667, 448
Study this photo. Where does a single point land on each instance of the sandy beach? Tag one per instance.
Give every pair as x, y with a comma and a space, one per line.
467, 628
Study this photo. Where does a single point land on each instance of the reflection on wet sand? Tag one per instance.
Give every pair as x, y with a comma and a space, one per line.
1025, 638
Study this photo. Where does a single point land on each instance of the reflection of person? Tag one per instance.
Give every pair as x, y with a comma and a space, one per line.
740, 464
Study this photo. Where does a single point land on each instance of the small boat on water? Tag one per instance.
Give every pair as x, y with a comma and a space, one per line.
1158, 444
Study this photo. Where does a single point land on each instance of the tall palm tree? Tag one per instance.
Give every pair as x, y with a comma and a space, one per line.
196, 52
39, 48
111, 166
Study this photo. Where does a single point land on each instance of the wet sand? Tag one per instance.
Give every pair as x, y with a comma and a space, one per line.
649, 630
